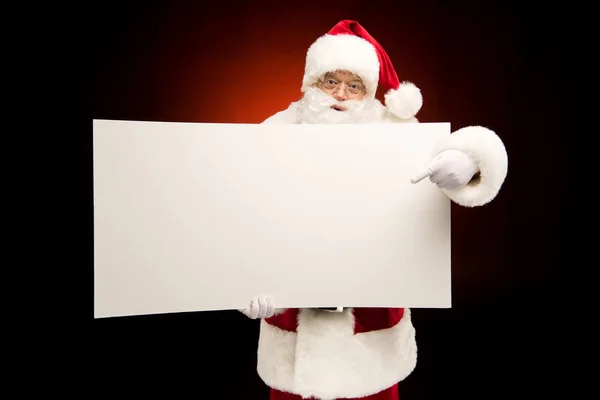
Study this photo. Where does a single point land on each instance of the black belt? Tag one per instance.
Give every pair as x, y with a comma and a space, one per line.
330, 309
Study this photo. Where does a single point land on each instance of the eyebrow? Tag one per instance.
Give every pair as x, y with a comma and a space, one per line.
355, 78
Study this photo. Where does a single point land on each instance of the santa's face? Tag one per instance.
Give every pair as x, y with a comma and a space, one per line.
339, 98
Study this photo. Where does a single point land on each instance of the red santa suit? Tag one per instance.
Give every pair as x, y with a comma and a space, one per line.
331, 355
361, 352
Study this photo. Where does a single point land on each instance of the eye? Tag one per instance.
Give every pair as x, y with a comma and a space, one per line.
330, 82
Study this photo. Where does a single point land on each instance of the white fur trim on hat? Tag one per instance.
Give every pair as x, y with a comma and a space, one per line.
342, 52
404, 102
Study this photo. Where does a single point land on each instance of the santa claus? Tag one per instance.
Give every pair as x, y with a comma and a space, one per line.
351, 353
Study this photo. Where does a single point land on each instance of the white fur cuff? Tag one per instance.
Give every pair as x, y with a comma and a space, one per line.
488, 151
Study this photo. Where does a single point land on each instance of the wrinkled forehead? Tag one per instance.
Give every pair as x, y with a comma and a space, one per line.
343, 75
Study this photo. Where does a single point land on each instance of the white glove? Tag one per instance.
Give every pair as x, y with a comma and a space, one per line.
260, 307
450, 169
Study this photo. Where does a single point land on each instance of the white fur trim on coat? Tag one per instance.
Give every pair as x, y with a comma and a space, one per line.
342, 52
488, 151
327, 360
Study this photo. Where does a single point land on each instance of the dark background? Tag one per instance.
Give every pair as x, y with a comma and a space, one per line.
495, 64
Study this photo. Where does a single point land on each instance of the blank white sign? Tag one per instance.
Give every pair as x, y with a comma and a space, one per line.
198, 217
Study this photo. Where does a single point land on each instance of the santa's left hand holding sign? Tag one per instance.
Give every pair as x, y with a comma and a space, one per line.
260, 307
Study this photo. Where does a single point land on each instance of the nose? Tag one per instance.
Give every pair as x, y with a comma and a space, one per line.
340, 93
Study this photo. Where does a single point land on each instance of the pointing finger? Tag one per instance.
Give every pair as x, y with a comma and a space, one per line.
421, 175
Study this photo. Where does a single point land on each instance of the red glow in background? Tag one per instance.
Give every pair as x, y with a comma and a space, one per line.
477, 63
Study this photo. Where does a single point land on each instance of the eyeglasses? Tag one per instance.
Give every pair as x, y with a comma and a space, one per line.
352, 89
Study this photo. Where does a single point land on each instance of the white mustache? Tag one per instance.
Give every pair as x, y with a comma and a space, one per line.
319, 98
316, 107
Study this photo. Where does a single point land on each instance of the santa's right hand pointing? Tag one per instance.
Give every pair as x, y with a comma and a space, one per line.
450, 169
261, 306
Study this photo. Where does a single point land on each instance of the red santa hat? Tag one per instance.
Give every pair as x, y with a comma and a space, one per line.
348, 46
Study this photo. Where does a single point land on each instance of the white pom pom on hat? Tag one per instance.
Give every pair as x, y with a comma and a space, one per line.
348, 46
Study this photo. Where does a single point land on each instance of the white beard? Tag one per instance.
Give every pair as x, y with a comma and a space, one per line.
315, 108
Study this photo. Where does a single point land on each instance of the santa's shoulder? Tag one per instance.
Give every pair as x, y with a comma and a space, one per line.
287, 116
384, 115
